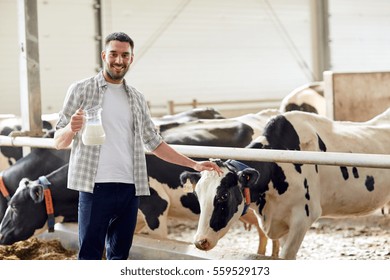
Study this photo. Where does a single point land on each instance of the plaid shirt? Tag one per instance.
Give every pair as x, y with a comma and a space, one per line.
84, 159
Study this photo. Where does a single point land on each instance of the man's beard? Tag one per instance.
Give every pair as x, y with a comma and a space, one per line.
114, 76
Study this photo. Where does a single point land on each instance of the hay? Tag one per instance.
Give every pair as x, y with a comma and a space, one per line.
36, 249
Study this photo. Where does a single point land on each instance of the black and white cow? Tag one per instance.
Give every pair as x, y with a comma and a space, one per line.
27, 215
289, 198
8, 124
44, 161
167, 195
38, 162
28, 212
187, 116
307, 98
310, 98
232, 132
168, 198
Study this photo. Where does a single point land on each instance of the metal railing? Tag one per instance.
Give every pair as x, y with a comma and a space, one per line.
266, 103
301, 157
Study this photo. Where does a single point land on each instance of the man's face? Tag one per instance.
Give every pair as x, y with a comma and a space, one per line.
117, 58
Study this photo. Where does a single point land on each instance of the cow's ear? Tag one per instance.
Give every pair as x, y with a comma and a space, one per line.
36, 193
24, 183
189, 180
248, 177
192, 176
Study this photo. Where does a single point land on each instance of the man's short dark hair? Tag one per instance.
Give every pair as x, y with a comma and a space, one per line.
121, 37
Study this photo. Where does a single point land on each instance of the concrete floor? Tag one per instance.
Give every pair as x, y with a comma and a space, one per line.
146, 248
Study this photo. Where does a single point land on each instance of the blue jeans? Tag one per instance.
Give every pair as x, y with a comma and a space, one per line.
107, 216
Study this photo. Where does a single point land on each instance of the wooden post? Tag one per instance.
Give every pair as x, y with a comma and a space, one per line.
171, 107
98, 34
30, 87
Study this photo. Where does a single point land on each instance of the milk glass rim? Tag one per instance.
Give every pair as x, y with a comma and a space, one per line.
93, 110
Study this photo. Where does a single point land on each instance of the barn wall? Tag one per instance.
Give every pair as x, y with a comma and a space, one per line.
356, 96
208, 50
214, 50
66, 46
358, 85
358, 35
9, 68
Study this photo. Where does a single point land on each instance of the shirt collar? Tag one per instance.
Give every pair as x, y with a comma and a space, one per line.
103, 83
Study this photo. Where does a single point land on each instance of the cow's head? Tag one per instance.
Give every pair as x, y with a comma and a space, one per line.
221, 198
25, 213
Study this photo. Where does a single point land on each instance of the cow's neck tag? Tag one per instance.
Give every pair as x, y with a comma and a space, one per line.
3, 189
247, 196
48, 202
43, 180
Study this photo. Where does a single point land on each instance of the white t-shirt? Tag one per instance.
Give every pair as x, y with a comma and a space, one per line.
116, 154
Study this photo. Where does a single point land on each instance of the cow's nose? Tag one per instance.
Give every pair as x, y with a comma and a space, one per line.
202, 244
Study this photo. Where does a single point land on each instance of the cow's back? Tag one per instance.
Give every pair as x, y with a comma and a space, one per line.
317, 133
307, 98
342, 190
258, 121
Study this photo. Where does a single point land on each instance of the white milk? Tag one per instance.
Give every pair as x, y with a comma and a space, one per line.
93, 134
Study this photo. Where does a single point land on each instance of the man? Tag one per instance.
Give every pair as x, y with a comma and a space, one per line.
111, 177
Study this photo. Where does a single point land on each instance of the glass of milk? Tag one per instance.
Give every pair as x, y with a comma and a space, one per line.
93, 132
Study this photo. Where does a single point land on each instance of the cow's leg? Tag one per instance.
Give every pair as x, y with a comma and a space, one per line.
141, 225
154, 209
386, 209
275, 248
292, 241
263, 240
156, 227
250, 219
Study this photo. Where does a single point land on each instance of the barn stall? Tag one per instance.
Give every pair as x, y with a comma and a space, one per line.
336, 103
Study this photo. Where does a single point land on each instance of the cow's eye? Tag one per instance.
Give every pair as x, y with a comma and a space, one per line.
13, 207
